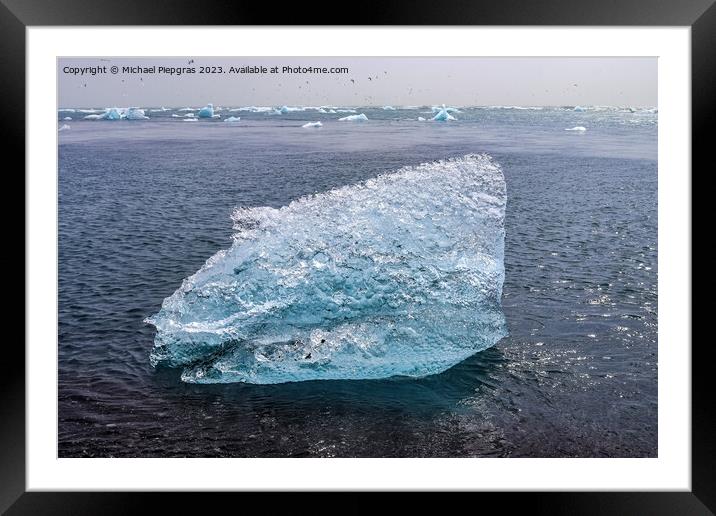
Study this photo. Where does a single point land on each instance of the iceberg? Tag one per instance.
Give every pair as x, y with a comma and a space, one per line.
112, 114
207, 111
63, 127
388, 108
579, 108
421, 119
232, 119
312, 124
135, 114
190, 119
67, 118
398, 275
578, 128
354, 118
443, 115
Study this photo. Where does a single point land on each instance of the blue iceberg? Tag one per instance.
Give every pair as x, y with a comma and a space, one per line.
443, 115
398, 275
354, 118
207, 111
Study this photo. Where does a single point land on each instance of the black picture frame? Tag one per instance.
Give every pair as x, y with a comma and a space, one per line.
700, 15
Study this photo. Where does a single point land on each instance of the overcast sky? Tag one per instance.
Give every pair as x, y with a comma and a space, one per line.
526, 81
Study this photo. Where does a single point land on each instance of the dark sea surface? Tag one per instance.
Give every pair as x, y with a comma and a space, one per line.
144, 203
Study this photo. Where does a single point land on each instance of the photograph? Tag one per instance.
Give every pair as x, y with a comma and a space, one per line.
347, 257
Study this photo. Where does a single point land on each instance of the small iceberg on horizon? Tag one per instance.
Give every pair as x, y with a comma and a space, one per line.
443, 115
312, 124
579, 108
134, 113
388, 108
63, 127
421, 119
354, 118
67, 118
579, 129
232, 119
207, 111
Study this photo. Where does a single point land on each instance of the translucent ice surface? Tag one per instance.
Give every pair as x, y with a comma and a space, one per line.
398, 275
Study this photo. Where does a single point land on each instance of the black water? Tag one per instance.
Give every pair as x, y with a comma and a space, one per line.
143, 204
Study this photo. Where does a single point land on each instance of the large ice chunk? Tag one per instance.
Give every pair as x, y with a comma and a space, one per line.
397, 275
207, 111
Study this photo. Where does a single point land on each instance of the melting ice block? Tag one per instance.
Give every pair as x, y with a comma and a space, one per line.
354, 118
398, 275
207, 111
579, 129
312, 124
233, 119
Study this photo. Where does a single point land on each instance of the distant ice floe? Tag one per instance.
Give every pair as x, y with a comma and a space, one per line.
67, 118
66, 110
232, 119
190, 115
354, 118
444, 115
135, 114
579, 108
312, 124
578, 128
345, 110
159, 110
63, 127
191, 120
449, 109
254, 109
207, 111
388, 108
421, 119
187, 109
132, 113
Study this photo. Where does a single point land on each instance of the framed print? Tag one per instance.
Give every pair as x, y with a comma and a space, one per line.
452, 255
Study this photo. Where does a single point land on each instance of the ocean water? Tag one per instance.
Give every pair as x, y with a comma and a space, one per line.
144, 203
